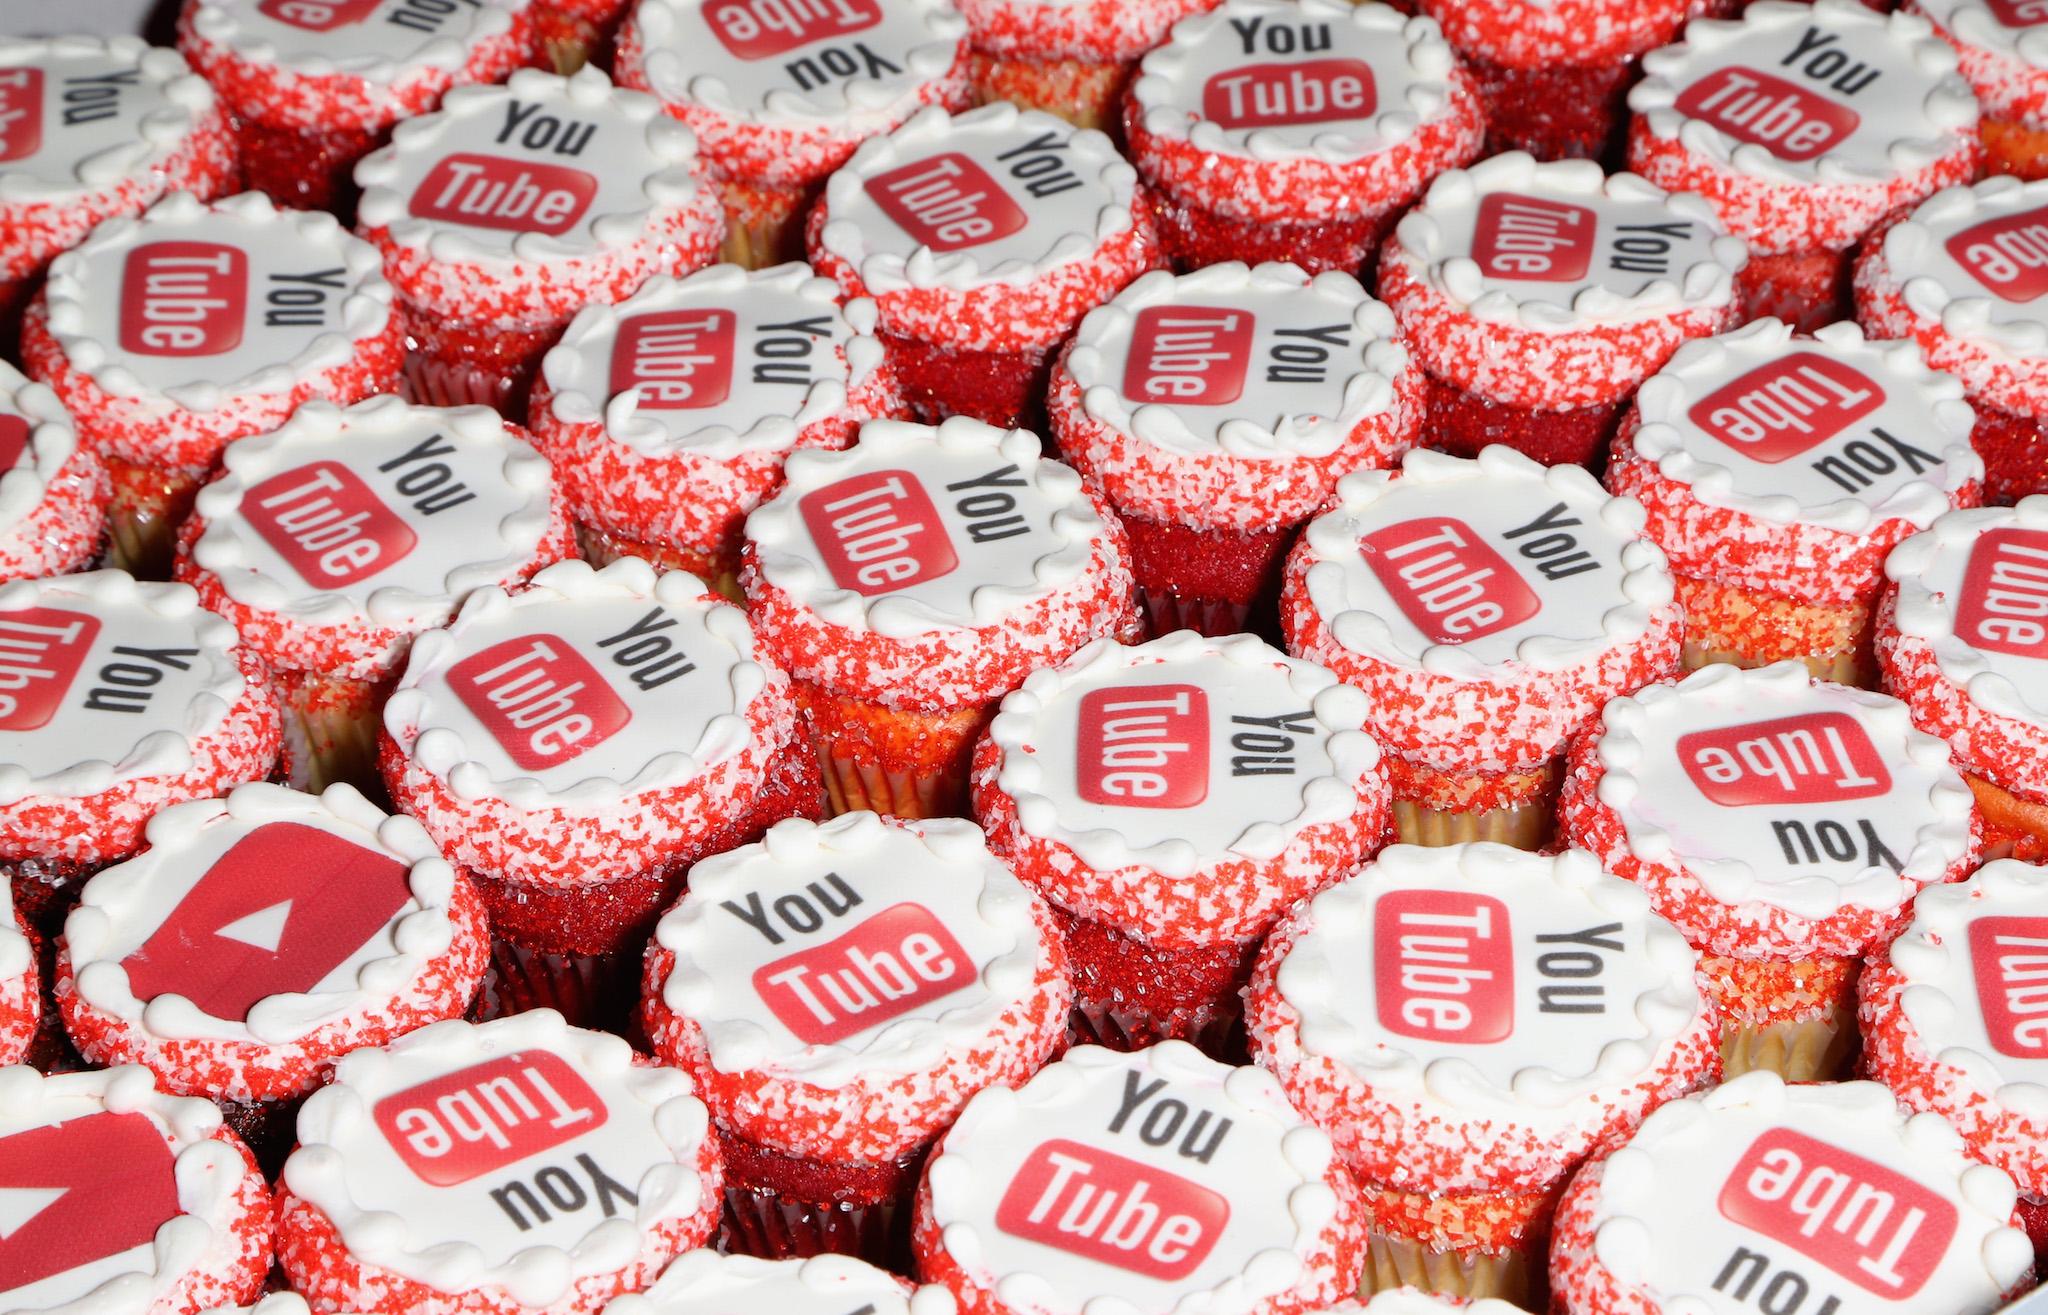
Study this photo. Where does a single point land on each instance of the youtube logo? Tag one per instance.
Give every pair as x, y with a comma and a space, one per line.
14, 431
78, 1192
285, 906
21, 113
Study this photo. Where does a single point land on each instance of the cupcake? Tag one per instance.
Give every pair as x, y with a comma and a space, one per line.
902, 623
1296, 131
1803, 125
53, 491
315, 85
512, 208
1785, 825
335, 540
1487, 609
1822, 1196
1964, 642
92, 128
668, 416
780, 95
258, 939
1158, 1180
501, 1168
125, 1200
1538, 296
1777, 472
21, 994
172, 335
1065, 57
575, 746
837, 993
1468, 1024
1949, 1012
1171, 801
710, 1283
977, 271
118, 700
572, 33
1552, 76
1216, 411
2006, 65
1959, 276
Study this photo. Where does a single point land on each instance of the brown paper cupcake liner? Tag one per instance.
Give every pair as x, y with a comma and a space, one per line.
597, 991
764, 225
268, 1127
330, 732
1814, 1051
764, 1223
1166, 612
1217, 1030
1842, 668
1524, 826
852, 785
143, 515
1466, 1273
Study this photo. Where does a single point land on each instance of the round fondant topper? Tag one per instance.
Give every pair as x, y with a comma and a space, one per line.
521, 1154
104, 679
1719, 1196
1275, 81
1458, 566
262, 917
1829, 92
1042, 1193
200, 303
1771, 787
379, 41
1975, 587
1565, 246
81, 113
1833, 430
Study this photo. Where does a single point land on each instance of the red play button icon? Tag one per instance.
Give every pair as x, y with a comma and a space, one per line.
77, 1192
285, 906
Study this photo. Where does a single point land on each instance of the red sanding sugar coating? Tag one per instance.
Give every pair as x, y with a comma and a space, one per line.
1560, 112
614, 914
788, 156
1190, 574
250, 1071
1001, 388
318, 1264
2008, 750
1390, 1139
1751, 930
2015, 453
1463, 423
1806, 289
64, 532
1515, 717
1096, 30
1563, 34
997, 317
1506, 363
21, 998
1801, 560
1129, 995
1898, 1055
1215, 206
147, 428
102, 828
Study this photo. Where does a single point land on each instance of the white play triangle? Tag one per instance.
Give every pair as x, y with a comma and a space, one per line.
263, 929
18, 1205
